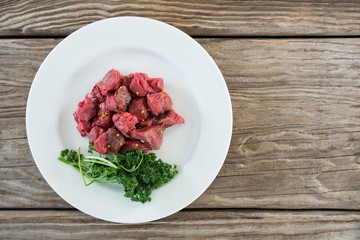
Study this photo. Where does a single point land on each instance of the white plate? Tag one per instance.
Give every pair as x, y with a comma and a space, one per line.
131, 44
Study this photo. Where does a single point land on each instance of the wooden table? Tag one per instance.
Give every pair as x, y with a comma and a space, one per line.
293, 72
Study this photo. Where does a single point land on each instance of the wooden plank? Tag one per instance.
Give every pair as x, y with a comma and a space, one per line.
200, 18
295, 135
185, 224
284, 184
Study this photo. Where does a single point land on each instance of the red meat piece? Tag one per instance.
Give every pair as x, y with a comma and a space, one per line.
83, 127
139, 85
86, 108
151, 136
95, 132
159, 102
125, 122
151, 120
103, 118
118, 101
127, 80
85, 112
171, 118
157, 84
110, 82
109, 141
115, 139
139, 108
134, 144
101, 145
96, 92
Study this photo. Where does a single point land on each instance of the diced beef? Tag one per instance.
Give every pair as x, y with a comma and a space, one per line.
83, 127
171, 118
95, 132
124, 113
110, 82
85, 112
86, 108
151, 136
127, 80
151, 120
111, 103
134, 144
103, 118
139, 108
101, 145
124, 93
96, 92
159, 102
139, 85
118, 101
115, 139
125, 122
167, 119
157, 84
109, 141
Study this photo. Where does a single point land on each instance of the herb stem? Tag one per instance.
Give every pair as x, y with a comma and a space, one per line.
103, 161
80, 168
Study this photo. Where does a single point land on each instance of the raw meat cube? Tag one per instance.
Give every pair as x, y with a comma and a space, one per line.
83, 127
101, 145
151, 136
96, 92
139, 108
125, 122
151, 120
103, 118
95, 132
86, 108
84, 113
110, 82
115, 139
139, 85
109, 141
127, 80
157, 84
159, 102
134, 144
118, 101
171, 118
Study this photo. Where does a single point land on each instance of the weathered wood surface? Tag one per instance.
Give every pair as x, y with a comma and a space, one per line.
296, 119
296, 128
185, 224
199, 18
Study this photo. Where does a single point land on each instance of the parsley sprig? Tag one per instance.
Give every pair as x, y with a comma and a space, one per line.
137, 172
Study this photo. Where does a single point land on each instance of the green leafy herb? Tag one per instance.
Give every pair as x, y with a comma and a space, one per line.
91, 148
139, 173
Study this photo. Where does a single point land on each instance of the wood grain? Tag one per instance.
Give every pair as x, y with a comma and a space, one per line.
222, 224
295, 135
251, 185
198, 18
